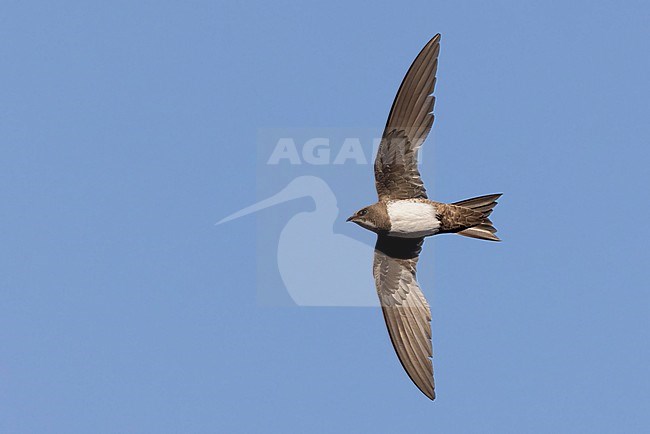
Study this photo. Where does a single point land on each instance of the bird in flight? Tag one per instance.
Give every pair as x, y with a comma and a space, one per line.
404, 216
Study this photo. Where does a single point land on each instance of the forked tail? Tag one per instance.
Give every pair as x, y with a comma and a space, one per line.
484, 204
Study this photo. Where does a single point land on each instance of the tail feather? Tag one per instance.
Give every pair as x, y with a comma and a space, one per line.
488, 202
480, 232
484, 204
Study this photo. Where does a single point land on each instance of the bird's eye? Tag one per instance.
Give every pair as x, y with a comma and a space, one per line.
363, 212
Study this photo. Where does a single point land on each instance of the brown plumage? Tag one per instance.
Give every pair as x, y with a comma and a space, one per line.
454, 218
469, 217
404, 215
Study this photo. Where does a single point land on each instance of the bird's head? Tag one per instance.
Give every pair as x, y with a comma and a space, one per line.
374, 218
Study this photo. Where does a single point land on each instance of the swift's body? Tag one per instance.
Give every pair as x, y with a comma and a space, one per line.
404, 216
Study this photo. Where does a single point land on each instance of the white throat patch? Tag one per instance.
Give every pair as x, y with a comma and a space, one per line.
411, 219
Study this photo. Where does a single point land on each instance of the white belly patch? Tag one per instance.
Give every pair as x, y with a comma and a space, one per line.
412, 219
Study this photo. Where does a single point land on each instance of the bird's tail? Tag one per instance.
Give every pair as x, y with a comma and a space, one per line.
484, 204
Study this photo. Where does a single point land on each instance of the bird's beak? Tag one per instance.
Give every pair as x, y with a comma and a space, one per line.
350, 219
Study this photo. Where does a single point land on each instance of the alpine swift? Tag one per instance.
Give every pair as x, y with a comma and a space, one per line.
404, 216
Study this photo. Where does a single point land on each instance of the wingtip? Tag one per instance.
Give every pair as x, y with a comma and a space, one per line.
435, 40
427, 390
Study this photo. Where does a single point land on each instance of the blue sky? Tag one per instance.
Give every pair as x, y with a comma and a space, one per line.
127, 129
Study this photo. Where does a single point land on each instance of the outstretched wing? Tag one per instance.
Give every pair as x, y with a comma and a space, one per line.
409, 123
405, 309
